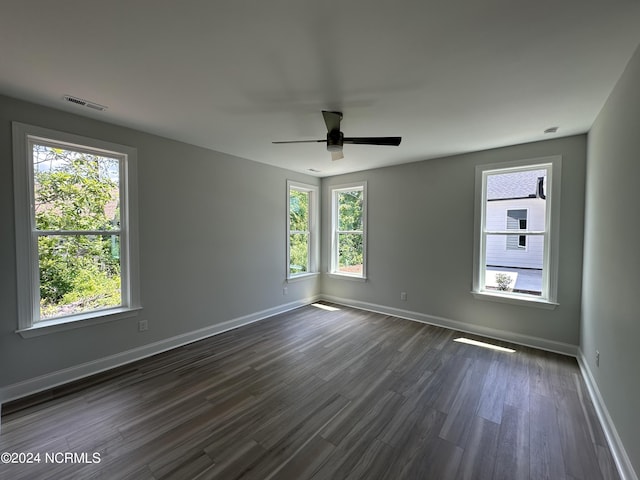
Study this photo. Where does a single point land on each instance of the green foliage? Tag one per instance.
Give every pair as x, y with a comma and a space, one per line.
350, 210
299, 231
350, 224
298, 210
298, 253
76, 192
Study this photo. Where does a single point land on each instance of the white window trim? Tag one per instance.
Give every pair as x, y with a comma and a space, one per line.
314, 235
552, 236
26, 244
333, 263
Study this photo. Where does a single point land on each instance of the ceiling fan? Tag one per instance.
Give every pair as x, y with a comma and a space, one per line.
336, 139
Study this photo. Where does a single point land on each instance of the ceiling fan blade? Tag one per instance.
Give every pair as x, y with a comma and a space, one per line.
337, 156
390, 141
302, 141
332, 120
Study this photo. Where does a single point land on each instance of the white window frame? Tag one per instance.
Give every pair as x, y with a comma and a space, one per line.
334, 250
548, 299
28, 279
313, 232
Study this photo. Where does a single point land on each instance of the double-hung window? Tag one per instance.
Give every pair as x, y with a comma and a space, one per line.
302, 229
76, 230
348, 233
517, 226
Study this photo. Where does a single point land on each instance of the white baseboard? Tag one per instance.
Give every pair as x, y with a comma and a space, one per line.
60, 377
625, 469
517, 338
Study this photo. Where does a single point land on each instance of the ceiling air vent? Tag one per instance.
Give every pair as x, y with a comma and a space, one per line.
85, 103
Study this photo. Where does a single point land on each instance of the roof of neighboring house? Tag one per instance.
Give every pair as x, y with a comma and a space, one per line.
111, 208
514, 185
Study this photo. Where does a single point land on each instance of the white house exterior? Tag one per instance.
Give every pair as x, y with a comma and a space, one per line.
515, 201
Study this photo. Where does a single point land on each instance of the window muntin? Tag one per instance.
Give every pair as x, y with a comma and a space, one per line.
521, 198
348, 245
301, 229
75, 229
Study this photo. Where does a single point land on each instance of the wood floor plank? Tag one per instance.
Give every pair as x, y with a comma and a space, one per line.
494, 392
440, 459
186, 467
307, 461
316, 394
354, 426
580, 455
461, 414
546, 460
606, 464
513, 452
374, 463
517, 395
238, 463
479, 457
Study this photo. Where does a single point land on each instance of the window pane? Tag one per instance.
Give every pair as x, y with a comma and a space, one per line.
298, 211
350, 253
298, 253
522, 195
78, 273
75, 190
514, 270
350, 210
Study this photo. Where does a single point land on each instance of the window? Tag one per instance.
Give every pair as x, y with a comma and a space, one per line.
302, 221
75, 230
348, 242
521, 198
517, 220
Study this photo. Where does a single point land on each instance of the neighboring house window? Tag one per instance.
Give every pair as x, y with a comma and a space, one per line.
522, 266
516, 220
75, 229
349, 223
302, 230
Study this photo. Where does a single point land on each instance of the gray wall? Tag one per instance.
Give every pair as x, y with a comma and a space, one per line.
420, 239
206, 221
611, 297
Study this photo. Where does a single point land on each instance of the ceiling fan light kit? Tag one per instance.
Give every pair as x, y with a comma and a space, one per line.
336, 139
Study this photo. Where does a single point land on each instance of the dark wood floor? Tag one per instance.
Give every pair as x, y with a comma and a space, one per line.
314, 394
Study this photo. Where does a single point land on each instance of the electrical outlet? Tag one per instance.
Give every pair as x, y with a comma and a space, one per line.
597, 358
143, 326
403, 296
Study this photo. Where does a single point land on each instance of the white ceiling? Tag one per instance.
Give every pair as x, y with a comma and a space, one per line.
449, 76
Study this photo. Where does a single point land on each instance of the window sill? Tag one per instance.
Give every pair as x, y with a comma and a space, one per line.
302, 276
77, 321
346, 276
515, 300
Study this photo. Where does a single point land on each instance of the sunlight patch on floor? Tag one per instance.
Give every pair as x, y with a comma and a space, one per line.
469, 341
325, 307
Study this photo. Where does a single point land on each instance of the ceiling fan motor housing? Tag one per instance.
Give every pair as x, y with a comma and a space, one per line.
335, 140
